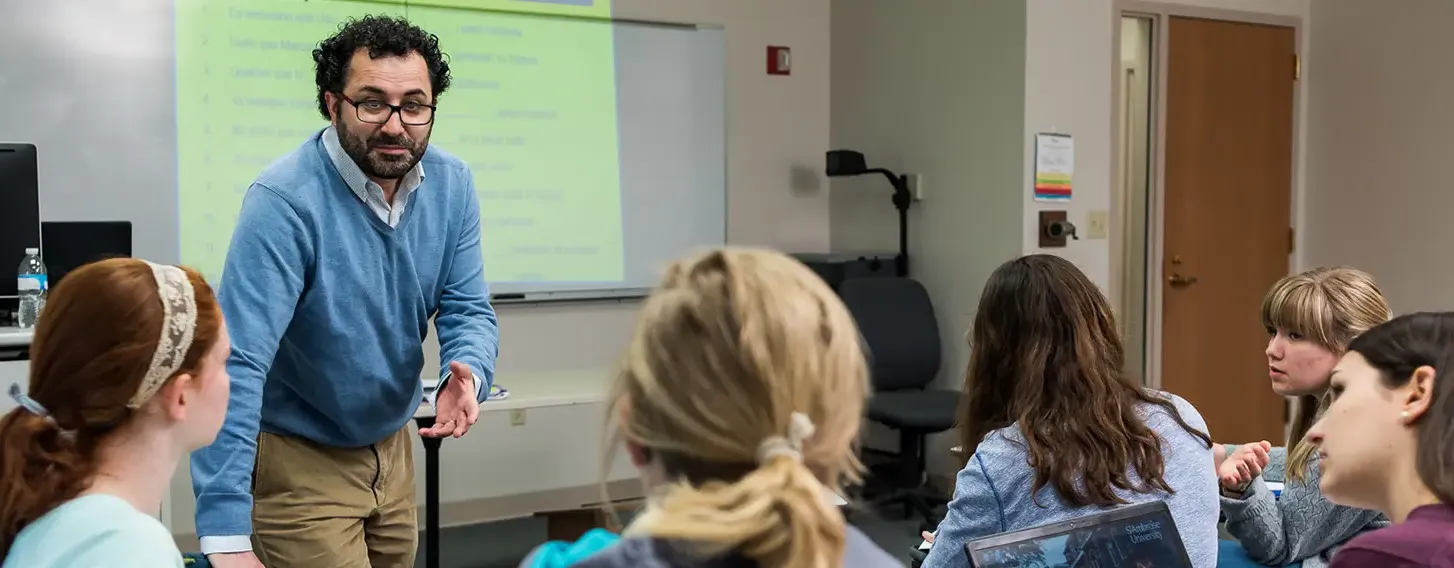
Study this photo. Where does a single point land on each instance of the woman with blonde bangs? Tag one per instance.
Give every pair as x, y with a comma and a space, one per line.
1311, 318
739, 400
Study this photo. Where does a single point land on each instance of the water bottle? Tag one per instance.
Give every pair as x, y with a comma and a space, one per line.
31, 282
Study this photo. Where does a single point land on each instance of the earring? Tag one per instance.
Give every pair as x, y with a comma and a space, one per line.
1405, 416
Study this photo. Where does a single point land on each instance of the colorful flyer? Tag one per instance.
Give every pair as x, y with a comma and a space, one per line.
1054, 166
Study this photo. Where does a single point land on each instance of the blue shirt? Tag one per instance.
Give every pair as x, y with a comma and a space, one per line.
94, 530
328, 306
992, 493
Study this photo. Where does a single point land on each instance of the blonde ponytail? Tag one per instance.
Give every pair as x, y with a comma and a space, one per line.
777, 515
744, 385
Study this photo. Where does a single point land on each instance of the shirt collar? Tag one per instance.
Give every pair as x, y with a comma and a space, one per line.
354, 176
1439, 512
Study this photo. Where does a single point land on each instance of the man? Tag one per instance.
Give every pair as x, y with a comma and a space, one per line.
343, 251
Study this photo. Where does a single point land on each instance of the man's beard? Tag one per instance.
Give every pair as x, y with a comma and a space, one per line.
379, 165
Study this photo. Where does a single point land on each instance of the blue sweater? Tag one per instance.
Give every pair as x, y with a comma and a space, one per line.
992, 492
328, 307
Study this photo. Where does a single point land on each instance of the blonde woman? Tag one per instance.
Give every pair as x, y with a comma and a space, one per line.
1311, 318
739, 400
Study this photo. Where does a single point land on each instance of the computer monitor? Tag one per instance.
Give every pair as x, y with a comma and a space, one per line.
1134, 536
19, 216
66, 245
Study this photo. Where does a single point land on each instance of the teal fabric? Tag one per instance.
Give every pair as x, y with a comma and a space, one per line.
560, 554
1230, 554
94, 530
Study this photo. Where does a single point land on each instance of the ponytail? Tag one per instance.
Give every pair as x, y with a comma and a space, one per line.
41, 467
777, 515
743, 387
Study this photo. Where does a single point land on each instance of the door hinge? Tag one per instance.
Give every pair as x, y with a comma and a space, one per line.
1291, 240
1297, 67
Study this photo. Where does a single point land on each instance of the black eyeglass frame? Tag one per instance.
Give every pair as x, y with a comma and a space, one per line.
393, 109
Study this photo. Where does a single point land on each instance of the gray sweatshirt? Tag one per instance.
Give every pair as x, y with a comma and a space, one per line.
1300, 525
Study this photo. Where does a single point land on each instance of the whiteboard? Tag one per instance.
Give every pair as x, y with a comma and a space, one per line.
98, 88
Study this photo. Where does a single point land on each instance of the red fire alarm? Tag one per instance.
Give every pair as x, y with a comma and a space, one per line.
779, 60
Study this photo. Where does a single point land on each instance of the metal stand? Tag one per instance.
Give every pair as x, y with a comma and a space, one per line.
431, 493
902, 199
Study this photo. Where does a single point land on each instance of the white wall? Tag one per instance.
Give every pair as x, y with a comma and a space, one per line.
777, 133
934, 87
955, 90
1379, 132
1068, 72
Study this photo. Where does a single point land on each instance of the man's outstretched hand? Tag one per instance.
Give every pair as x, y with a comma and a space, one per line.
455, 406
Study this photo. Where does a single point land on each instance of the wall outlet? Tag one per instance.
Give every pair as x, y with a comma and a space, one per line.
1097, 224
517, 417
916, 186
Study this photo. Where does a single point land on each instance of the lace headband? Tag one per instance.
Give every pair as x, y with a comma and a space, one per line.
179, 324
800, 428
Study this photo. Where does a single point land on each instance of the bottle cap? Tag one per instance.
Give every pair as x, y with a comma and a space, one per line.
32, 250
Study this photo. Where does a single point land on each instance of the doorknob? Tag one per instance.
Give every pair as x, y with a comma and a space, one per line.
1176, 279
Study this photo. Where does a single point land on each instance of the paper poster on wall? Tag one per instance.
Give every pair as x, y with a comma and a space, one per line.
1054, 166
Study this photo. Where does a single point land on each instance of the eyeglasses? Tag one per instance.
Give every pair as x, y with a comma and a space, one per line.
378, 112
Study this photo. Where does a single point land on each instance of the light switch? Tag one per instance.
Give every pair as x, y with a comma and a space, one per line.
1097, 224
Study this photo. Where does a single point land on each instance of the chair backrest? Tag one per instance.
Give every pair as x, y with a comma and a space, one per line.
898, 325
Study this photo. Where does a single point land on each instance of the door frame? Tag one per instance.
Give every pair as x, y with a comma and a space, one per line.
1152, 229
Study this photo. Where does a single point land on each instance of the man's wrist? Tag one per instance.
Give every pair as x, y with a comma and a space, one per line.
475, 381
229, 544
444, 380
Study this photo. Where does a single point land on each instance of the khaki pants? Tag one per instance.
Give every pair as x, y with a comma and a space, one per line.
316, 506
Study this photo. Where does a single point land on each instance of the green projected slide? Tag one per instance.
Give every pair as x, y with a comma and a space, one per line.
532, 110
578, 8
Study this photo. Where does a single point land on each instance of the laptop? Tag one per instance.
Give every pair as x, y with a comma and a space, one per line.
1134, 536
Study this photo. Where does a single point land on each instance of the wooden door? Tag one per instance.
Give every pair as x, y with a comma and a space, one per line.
1228, 179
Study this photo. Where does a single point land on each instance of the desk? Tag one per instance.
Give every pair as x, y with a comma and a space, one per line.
14, 362
14, 336
527, 390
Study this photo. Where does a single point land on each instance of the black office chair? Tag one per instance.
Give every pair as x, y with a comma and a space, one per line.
898, 325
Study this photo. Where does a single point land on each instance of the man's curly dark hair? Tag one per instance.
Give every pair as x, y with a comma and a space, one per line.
380, 35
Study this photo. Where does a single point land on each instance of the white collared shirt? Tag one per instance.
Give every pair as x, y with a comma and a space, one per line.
371, 193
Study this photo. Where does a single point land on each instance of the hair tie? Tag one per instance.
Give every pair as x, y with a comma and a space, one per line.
29, 404
179, 324
800, 428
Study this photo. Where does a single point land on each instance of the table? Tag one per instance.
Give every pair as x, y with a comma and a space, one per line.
15, 337
527, 390
14, 362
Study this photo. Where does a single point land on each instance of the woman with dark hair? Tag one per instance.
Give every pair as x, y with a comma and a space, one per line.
1386, 441
1058, 429
127, 375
